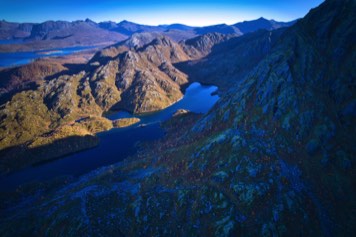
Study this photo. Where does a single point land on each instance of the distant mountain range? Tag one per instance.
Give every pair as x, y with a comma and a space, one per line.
88, 33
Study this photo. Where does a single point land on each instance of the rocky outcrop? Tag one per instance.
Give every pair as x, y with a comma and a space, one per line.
142, 78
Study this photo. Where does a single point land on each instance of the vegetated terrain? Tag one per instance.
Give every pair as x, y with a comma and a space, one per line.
41, 99
274, 157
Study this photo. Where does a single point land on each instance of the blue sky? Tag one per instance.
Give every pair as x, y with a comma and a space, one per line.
190, 12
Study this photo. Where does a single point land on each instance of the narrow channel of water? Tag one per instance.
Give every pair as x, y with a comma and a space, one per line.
116, 144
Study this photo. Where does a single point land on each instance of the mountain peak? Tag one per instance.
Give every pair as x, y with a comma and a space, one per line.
126, 22
138, 40
89, 21
259, 24
262, 19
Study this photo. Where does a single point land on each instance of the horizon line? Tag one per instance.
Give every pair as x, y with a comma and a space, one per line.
138, 23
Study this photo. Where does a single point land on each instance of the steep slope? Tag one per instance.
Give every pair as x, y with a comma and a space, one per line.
201, 46
26, 77
141, 76
227, 62
17, 79
136, 41
275, 157
180, 35
244, 27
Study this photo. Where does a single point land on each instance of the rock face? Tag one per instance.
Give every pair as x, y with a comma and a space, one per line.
275, 156
231, 59
201, 46
141, 79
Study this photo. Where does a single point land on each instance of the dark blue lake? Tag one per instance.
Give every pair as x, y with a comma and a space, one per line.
116, 144
197, 99
21, 58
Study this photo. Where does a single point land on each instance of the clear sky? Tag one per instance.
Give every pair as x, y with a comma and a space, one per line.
154, 12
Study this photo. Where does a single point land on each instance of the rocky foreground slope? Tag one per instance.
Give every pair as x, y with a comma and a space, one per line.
275, 157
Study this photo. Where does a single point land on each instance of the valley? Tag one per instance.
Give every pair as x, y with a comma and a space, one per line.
226, 130
137, 75
115, 144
